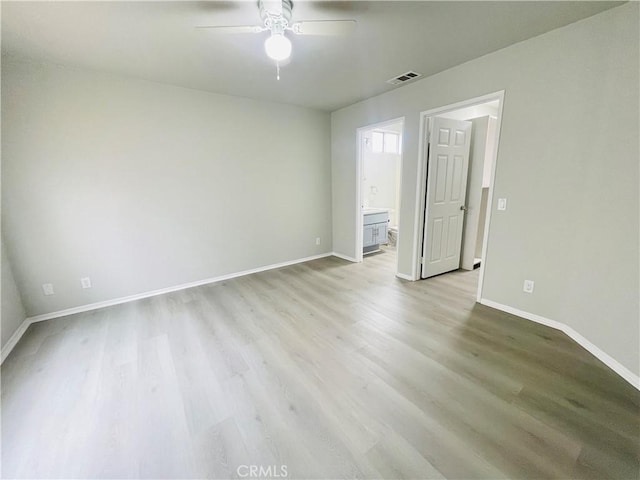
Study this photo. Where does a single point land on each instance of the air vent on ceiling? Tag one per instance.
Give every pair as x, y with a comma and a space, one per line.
405, 77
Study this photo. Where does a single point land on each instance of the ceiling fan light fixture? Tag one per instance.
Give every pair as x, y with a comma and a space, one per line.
278, 47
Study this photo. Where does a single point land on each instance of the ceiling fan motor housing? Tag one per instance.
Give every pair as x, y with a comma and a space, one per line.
275, 21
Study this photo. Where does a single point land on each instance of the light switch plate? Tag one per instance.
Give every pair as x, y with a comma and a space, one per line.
47, 288
502, 204
85, 282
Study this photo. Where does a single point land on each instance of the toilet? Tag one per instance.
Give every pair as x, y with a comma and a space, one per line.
393, 235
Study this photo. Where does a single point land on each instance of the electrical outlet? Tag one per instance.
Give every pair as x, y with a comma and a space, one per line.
85, 282
317, 240
502, 204
528, 286
47, 288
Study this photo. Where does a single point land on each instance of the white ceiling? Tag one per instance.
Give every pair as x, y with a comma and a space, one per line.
156, 41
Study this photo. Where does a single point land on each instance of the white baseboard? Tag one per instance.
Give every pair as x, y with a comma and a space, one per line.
15, 338
344, 257
616, 366
351, 259
604, 357
161, 291
405, 277
117, 301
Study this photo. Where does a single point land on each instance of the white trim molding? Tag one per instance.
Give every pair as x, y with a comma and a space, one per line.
345, 257
405, 277
161, 291
616, 366
604, 357
14, 339
131, 298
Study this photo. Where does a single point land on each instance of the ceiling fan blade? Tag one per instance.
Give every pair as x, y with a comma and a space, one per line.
232, 29
340, 6
324, 27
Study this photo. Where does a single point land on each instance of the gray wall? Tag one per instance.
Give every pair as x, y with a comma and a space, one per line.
567, 162
143, 186
12, 311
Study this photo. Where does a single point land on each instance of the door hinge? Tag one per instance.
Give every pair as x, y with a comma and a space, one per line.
422, 260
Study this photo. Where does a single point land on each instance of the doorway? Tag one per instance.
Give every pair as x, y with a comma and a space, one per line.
378, 187
455, 217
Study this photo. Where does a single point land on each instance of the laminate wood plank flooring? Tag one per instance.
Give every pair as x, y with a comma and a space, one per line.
325, 369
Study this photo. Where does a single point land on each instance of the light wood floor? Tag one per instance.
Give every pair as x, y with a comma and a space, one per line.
328, 369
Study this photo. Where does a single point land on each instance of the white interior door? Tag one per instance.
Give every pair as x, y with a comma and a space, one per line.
447, 167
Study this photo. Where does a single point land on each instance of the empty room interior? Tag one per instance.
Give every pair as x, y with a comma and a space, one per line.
320, 239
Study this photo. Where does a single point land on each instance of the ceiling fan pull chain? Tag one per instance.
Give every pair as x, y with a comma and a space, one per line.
278, 70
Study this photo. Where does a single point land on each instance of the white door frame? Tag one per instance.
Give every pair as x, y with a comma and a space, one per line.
359, 160
422, 179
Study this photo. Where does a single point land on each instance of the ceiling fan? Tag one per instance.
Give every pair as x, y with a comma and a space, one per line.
276, 19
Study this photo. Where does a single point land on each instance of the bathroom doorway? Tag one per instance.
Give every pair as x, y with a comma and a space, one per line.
379, 187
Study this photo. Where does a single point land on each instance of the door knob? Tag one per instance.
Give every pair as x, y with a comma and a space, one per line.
464, 207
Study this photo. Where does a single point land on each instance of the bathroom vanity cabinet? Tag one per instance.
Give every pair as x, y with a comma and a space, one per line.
375, 223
